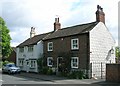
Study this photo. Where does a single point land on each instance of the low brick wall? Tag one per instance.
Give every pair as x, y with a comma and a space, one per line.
113, 72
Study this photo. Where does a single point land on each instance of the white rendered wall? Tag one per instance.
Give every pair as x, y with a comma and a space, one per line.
37, 52
101, 42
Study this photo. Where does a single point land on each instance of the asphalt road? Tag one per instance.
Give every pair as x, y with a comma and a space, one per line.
18, 80
13, 79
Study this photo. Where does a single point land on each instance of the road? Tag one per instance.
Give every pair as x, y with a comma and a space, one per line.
18, 79
15, 79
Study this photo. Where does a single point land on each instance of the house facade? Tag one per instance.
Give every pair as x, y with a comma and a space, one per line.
29, 51
86, 47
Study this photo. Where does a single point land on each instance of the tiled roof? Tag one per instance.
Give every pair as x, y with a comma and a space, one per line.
77, 29
33, 40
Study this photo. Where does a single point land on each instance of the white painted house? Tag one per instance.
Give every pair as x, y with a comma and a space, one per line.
102, 45
29, 51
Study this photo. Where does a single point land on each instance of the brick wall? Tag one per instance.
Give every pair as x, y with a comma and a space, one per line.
113, 72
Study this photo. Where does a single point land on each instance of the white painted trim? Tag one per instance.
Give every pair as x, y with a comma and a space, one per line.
49, 46
48, 61
72, 44
72, 62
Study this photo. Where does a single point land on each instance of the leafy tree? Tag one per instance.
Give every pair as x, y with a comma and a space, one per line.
4, 39
117, 51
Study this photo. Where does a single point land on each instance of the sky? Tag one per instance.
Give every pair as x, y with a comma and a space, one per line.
21, 15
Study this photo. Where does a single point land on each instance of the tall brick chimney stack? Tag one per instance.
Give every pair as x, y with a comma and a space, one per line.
32, 32
57, 25
100, 15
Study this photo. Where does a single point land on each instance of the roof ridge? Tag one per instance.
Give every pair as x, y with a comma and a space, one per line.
77, 25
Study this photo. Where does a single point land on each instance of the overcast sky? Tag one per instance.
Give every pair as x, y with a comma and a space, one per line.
21, 15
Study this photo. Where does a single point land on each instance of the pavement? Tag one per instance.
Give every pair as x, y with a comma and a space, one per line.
64, 80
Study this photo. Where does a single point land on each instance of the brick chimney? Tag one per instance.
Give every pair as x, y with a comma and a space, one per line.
57, 25
100, 15
32, 32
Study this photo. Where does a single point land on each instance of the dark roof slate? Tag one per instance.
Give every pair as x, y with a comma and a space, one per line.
73, 30
77, 29
33, 40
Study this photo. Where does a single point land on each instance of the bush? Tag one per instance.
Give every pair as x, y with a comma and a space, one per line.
72, 75
80, 75
45, 70
6, 62
49, 71
76, 75
0, 64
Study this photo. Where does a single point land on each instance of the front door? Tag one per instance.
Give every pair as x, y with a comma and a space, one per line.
59, 64
27, 66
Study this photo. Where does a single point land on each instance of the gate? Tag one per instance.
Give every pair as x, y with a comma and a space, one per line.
98, 69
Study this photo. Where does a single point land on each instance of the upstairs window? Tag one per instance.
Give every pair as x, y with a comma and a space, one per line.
74, 62
50, 61
21, 49
74, 44
50, 46
30, 49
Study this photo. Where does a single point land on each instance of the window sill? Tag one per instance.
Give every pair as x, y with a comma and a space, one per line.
74, 67
49, 65
74, 49
50, 50
32, 67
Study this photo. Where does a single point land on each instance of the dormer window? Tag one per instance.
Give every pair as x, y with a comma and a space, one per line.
50, 46
74, 44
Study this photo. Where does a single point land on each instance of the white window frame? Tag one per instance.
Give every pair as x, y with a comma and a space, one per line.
72, 45
50, 48
72, 63
32, 63
21, 49
21, 62
30, 48
48, 63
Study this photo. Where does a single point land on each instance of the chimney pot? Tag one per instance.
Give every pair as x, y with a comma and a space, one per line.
100, 15
57, 25
32, 32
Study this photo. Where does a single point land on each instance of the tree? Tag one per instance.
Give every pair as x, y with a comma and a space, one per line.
117, 52
4, 39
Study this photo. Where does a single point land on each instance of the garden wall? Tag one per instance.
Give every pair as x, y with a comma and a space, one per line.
113, 72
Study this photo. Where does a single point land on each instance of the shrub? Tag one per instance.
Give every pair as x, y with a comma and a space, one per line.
44, 70
49, 71
72, 75
0, 64
76, 75
80, 75
6, 62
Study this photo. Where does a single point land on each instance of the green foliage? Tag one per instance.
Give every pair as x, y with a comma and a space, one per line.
6, 62
0, 64
44, 70
64, 65
76, 75
40, 63
49, 71
117, 52
4, 39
